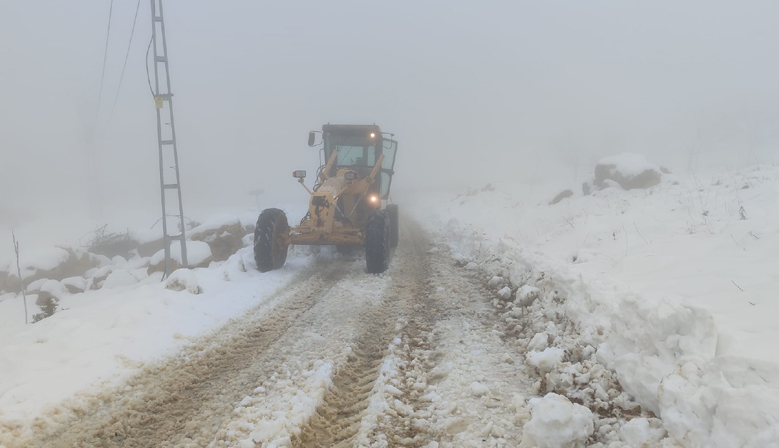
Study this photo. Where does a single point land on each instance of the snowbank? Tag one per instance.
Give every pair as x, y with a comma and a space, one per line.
674, 286
722, 402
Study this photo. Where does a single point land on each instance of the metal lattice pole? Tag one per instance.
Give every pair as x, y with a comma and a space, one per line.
166, 139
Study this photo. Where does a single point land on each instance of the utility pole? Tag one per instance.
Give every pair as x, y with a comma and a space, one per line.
256, 194
166, 137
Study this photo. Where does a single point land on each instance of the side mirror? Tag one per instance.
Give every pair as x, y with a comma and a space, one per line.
299, 174
311, 138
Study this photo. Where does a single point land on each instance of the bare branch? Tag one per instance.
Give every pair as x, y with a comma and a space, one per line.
19, 272
639, 232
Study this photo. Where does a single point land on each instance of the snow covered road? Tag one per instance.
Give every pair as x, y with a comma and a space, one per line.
431, 354
261, 376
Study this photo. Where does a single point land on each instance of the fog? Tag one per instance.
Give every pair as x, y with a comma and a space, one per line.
474, 92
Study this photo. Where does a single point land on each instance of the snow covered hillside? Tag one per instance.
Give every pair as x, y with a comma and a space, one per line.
675, 285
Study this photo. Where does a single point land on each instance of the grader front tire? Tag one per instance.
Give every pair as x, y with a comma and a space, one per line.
377, 242
394, 217
270, 246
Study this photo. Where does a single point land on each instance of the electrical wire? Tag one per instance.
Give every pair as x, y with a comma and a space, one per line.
126, 57
148, 77
105, 58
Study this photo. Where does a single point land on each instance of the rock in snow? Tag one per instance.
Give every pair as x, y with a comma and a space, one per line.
471, 266
75, 284
630, 171
526, 295
561, 196
495, 281
557, 423
223, 234
184, 280
198, 256
119, 278
55, 288
55, 263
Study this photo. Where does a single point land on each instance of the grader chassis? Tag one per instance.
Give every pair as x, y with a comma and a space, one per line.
347, 206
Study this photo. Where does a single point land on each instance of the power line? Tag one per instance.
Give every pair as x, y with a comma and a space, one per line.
126, 56
148, 77
105, 58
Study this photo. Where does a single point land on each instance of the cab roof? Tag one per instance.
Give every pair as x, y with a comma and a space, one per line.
349, 128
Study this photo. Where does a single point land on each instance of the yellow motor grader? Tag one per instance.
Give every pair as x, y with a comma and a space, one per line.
347, 206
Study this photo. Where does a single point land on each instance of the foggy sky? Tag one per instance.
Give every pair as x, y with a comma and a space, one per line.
474, 91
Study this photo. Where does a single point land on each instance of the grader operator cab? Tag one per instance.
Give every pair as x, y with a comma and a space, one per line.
346, 208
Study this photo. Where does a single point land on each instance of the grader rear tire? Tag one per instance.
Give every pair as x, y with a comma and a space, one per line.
270, 247
377, 242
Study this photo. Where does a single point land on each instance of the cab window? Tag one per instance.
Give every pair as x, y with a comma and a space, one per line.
353, 149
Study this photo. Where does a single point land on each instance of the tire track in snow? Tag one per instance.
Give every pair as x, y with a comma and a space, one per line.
447, 347
417, 341
184, 400
340, 421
